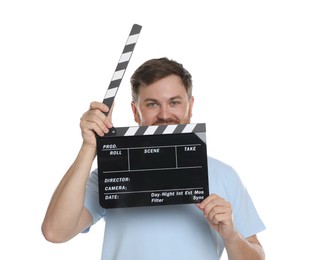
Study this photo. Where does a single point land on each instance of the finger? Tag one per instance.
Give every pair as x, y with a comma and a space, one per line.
217, 219
100, 106
106, 113
216, 213
210, 212
212, 209
95, 120
214, 205
207, 200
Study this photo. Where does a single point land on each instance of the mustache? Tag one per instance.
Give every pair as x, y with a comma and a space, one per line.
166, 122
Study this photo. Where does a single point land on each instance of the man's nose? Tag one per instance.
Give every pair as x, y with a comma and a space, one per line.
164, 112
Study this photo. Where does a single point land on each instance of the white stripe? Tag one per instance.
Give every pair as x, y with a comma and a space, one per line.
189, 128
125, 57
169, 129
132, 39
151, 130
118, 74
110, 93
132, 130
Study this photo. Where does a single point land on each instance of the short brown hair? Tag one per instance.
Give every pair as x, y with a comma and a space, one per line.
156, 69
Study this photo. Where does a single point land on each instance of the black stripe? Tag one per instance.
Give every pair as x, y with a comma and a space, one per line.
121, 131
201, 127
179, 129
108, 101
122, 65
160, 130
135, 29
128, 48
114, 83
141, 130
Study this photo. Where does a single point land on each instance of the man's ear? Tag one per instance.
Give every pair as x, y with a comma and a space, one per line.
191, 106
135, 112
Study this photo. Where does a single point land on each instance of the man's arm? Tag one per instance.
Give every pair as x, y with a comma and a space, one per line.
240, 248
218, 212
66, 215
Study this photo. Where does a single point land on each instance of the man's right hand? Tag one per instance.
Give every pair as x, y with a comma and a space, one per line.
95, 121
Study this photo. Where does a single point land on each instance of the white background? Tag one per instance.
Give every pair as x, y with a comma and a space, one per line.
251, 63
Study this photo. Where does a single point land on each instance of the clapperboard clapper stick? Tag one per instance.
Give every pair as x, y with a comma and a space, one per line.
122, 65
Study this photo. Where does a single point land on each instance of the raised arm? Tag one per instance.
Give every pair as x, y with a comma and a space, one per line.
66, 215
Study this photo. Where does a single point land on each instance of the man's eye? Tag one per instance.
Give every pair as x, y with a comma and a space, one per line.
173, 103
152, 104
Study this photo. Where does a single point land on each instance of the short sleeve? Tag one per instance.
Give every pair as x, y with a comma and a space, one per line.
92, 198
224, 181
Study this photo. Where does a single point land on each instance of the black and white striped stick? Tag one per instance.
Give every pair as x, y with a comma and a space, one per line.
158, 129
122, 65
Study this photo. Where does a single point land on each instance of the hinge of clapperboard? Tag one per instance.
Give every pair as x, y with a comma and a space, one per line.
121, 67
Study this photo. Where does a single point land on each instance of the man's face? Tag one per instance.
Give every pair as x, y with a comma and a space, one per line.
163, 102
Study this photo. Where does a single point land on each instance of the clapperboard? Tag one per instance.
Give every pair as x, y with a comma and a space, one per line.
150, 165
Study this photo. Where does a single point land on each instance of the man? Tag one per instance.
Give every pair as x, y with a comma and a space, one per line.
161, 94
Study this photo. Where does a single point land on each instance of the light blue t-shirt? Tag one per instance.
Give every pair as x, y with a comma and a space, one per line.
173, 231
